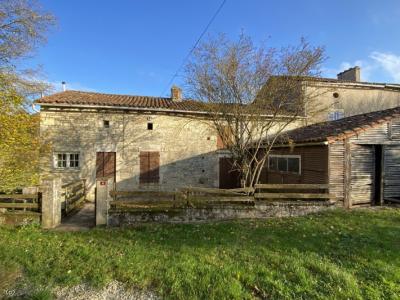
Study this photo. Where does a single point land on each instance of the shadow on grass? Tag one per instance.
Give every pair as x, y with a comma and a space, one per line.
337, 254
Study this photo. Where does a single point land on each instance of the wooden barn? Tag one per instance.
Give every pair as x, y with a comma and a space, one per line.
358, 156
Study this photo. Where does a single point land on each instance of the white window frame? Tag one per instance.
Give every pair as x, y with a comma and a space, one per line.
287, 162
336, 114
68, 159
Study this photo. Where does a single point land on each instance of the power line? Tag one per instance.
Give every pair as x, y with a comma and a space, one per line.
195, 45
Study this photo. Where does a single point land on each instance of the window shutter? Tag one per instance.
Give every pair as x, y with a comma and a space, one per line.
149, 167
154, 167
99, 165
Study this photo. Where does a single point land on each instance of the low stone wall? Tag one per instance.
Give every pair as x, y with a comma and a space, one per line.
261, 209
19, 218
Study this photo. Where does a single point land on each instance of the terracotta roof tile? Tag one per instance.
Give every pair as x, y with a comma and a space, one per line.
340, 129
99, 99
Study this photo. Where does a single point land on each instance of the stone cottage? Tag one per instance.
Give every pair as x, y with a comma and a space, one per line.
140, 142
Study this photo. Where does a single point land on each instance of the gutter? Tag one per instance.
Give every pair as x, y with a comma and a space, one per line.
145, 109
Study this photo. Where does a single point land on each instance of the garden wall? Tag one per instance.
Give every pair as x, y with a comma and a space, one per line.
260, 209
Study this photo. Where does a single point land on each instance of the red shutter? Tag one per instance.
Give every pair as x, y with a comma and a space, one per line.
149, 167
100, 164
109, 164
105, 164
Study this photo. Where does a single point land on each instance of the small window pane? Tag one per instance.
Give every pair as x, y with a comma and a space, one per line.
273, 163
282, 164
294, 164
74, 160
61, 160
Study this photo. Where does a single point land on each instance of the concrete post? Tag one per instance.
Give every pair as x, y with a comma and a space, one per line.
51, 204
102, 195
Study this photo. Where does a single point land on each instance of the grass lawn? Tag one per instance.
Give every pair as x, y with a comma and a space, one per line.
333, 255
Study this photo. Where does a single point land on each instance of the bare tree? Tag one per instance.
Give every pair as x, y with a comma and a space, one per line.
23, 25
253, 94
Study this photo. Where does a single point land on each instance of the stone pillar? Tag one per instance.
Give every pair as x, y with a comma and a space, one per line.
102, 197
51, 204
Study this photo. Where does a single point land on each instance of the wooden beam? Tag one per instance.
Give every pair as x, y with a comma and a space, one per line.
292, 196
19, 196
215, 191
392, 200
19, 205
73, 183
141, 193
292, 186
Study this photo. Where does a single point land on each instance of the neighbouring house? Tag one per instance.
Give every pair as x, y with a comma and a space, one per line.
359, 156
140, 142
332, 99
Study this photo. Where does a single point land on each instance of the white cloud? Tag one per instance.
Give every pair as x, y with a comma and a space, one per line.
376, 65
389, 62
366, 69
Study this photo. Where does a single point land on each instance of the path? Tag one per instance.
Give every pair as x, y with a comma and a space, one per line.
82, 220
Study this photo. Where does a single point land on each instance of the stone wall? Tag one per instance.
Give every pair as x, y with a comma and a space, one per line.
351, 99
262, 209
187, 146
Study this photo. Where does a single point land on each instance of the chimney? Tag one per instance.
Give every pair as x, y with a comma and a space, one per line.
352, 74
176, 93
64, 87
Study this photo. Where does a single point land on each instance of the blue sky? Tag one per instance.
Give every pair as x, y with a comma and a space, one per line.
135, 47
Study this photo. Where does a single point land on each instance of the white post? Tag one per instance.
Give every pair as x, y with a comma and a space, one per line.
102, 187
51, 204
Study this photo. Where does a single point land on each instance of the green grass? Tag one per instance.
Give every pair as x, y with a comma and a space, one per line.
333, 255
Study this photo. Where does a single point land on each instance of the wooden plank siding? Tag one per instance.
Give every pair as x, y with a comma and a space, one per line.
391, 179
337, 170
314, 166
362, 174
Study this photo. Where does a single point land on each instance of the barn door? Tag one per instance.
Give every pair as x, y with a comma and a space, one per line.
391, 186
362, 174
228, 178
105, 165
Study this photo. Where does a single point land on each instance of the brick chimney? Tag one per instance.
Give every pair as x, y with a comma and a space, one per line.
176, 93
352, 74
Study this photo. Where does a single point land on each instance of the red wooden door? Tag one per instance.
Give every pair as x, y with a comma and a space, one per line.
105, 165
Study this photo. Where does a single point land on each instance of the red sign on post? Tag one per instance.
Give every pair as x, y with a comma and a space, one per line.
103, 182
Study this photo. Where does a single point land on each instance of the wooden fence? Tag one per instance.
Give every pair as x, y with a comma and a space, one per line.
184, 198
19, 208
196, 197
292, 191
73, 193
20, 202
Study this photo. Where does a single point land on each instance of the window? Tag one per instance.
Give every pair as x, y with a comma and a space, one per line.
66, 160
149, 126
106, 124
285, 163
336, 115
